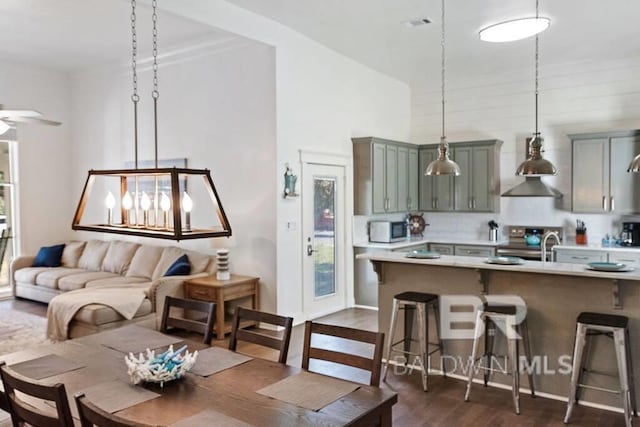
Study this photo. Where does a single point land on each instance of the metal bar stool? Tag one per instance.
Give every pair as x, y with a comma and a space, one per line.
487, 320
612, 326
410, 302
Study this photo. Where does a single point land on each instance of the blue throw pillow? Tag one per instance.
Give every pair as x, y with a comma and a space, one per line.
49, 256
180, 267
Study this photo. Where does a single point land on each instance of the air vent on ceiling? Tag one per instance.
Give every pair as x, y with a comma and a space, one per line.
417, 22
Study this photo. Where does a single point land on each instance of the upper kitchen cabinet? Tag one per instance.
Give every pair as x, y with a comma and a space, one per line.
600, 181
386, 176
436, 192
477, 189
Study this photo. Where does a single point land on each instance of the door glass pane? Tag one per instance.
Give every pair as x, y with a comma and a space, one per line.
324, 203
6, 210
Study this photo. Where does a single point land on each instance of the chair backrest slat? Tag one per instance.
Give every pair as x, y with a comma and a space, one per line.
247, 315
372, 364
204, 327
24, 413
91, 415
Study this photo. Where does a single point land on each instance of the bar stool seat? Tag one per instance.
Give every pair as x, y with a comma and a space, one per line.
613, 326
410, 302
486, 319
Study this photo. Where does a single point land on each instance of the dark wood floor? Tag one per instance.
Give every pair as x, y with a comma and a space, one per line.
443, 405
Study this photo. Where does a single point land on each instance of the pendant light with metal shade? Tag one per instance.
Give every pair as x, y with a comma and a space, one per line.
535, 166
634, 166
443, 165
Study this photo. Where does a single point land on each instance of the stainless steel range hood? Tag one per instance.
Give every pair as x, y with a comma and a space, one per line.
532, 187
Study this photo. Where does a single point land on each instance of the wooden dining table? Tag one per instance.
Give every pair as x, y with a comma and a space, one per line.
232, 394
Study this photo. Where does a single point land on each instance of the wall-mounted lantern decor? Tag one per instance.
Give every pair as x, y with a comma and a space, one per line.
289, 182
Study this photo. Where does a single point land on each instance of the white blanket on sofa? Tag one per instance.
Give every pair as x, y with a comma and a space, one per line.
126, 300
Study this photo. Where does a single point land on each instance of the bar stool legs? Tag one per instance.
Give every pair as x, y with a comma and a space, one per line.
486, 321
414, 303
615, 327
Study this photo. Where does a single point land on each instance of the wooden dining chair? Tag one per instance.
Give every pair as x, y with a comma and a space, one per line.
261, 337
22, 413
203, 326
91, 415
372, 364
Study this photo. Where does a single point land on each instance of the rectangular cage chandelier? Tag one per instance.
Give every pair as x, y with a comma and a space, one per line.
167, 203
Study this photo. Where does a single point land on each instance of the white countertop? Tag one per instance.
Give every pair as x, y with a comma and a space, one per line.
555, 268
424, 240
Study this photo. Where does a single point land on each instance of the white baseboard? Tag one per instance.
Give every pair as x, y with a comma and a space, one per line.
366, 307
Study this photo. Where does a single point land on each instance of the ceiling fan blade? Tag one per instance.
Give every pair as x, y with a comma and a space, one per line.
33, 120
19, 113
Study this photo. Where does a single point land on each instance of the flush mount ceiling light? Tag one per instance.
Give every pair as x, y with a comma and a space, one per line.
443, 165
153, 201
516, 29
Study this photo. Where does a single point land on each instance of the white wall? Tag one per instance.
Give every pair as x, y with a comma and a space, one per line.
322, 100
217, 109
46, 204
573, 98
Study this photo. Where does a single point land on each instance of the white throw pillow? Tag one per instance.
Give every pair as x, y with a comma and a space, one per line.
119, 257
71, 254
144, 261
93, 254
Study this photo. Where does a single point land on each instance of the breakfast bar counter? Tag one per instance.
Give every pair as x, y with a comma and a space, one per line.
554, 293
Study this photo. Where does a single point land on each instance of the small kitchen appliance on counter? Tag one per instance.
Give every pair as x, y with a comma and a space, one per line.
630, 235
387, 231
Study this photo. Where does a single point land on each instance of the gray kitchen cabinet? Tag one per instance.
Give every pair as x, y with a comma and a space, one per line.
474, 250
579, 256
385, 176
441, 248
600, 181
630, 258
407, 179
477, 189
436, 192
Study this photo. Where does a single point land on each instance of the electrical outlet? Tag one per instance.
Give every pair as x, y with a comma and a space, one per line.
292, 226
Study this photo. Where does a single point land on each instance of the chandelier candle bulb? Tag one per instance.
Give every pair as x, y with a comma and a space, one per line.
165, 205
145, 202
127, 204
110, 202
187, 207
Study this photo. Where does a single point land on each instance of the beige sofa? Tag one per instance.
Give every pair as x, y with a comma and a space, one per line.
96, 263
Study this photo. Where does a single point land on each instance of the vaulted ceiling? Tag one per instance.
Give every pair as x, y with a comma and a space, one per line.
68, 34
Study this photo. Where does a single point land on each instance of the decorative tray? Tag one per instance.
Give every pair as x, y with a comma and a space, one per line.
422, 253
504, 260
609, 266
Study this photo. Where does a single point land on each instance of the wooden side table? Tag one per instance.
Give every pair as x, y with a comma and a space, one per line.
211, 289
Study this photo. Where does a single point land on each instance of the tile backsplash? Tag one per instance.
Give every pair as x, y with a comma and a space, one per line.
537, 211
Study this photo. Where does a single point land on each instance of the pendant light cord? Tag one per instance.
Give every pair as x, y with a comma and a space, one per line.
134, 97
537, 60
155, 92
443, 138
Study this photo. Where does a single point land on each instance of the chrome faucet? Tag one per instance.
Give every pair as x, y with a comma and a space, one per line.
543, 255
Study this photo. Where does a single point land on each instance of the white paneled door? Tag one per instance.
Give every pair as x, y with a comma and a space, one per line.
323, 210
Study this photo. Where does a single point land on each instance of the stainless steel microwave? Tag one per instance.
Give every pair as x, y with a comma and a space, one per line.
387, 231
